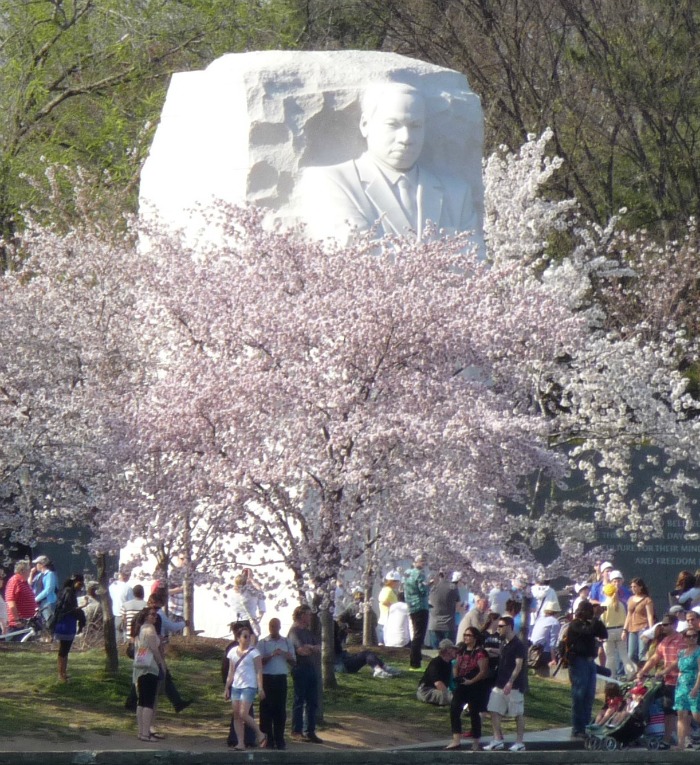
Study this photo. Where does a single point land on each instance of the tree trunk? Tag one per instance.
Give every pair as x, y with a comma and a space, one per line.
188, 586
327, 648
110, 636
187, 582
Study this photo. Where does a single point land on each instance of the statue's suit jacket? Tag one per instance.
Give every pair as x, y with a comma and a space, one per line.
355, 196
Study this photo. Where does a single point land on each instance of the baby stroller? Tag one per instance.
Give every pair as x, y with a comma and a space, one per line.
633, 723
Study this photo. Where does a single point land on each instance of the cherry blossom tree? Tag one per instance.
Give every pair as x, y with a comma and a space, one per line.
627, 387
332, 390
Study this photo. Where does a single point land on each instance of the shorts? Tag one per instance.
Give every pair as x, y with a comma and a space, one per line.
247, 695
512, 705
666, 697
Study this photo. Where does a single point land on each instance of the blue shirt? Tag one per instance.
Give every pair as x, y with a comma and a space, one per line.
416, 591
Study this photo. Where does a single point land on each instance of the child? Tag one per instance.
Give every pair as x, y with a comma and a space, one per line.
613, 703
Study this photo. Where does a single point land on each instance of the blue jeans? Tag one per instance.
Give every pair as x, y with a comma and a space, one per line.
305, 695
634, 646
582, 676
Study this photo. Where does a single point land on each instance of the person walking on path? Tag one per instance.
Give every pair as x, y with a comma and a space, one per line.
665, 662
243, 683
417, 592
508, 695
149, 665
471, 674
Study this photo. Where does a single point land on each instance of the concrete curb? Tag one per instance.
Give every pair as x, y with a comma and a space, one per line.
261, 757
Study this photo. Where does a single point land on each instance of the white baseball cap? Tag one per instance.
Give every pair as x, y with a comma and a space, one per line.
607, 564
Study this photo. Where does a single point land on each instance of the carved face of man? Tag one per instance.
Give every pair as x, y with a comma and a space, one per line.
394, 127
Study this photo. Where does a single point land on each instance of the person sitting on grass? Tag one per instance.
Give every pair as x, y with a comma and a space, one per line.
353, 662
434, 686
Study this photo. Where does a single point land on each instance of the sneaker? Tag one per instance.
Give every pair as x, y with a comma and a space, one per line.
496, 745
663, 746
381, 672
518, 746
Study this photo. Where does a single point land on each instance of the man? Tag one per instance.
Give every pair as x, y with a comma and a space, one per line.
498, 596
545, 634
444, 600
416, 592
508, 694
623, 592
352, 663
120, 592
579, 647
687, 619
434, 686
596, 593
278, 655
476, 617
387, 186
352, 619
19, 597
307, 648
665, 657
130, 609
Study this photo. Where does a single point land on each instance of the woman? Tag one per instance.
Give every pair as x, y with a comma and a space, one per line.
69, 621
3, 607
686, 591
44, 583
687, 698
388, 595
614, 618
640, 617
471, 674
243, 682
149, 667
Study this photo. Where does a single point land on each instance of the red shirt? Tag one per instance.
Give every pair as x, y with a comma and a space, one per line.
19, 592
668, 649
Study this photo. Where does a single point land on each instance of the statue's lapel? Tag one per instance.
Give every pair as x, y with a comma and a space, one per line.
393, 219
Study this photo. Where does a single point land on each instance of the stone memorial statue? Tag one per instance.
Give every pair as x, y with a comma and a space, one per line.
279, 129
386, 189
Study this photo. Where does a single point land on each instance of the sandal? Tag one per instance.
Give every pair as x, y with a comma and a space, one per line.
147, 738
262, 743
453, 746
157, 736
238, 748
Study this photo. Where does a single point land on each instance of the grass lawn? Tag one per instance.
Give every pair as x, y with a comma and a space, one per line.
36, 703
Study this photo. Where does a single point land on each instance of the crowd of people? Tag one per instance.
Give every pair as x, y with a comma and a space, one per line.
608, 630
485, 644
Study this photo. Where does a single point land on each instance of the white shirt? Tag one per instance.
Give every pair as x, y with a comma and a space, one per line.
396, 632
120, 593
245, 675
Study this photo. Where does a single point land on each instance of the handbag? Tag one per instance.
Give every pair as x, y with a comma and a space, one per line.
143, 658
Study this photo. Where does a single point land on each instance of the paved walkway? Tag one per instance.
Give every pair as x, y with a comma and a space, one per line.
553, 739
